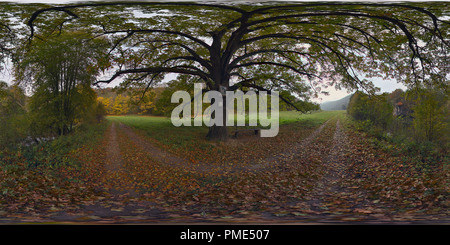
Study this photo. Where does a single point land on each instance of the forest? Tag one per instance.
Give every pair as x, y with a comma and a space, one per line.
85, 105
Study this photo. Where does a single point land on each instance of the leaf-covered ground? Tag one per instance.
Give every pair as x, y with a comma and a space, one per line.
318, 173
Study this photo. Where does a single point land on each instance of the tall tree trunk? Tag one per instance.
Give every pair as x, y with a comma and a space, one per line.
220, 80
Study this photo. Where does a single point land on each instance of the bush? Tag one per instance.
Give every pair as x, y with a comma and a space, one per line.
429, 114
373, 108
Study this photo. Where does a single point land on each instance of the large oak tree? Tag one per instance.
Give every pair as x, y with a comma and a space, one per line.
298, 47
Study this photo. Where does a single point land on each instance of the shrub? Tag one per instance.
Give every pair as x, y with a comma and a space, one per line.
429, 114
373, 108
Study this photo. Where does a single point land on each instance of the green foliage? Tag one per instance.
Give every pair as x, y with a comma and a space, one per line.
430, 112
268, 46
375, 109
57, 152
418, 132
301, 105
163, 104
61, 69
14, 121
95, 113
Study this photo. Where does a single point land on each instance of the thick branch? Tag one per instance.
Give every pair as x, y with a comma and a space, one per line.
131, 32
195, 56
152, 70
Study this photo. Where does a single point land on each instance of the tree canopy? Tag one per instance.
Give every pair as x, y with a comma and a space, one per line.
248, 43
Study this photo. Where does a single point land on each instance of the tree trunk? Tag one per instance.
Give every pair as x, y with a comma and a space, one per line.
217, 132
220, 81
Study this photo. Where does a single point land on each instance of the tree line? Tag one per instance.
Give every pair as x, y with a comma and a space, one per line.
420, 114
157, 101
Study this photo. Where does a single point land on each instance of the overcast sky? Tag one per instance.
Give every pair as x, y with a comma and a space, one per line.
384, 85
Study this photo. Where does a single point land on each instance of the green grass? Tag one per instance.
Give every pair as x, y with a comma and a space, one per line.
313, 119
158, 125
161, 128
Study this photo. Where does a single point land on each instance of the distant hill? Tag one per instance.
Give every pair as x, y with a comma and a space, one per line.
340, 104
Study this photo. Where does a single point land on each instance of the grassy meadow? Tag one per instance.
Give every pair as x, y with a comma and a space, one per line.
162, 130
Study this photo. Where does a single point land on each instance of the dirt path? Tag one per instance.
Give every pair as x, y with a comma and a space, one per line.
166, 158
121, 201
113, 157
113, 166
156, 153
334, 171
292, 152
331, 197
